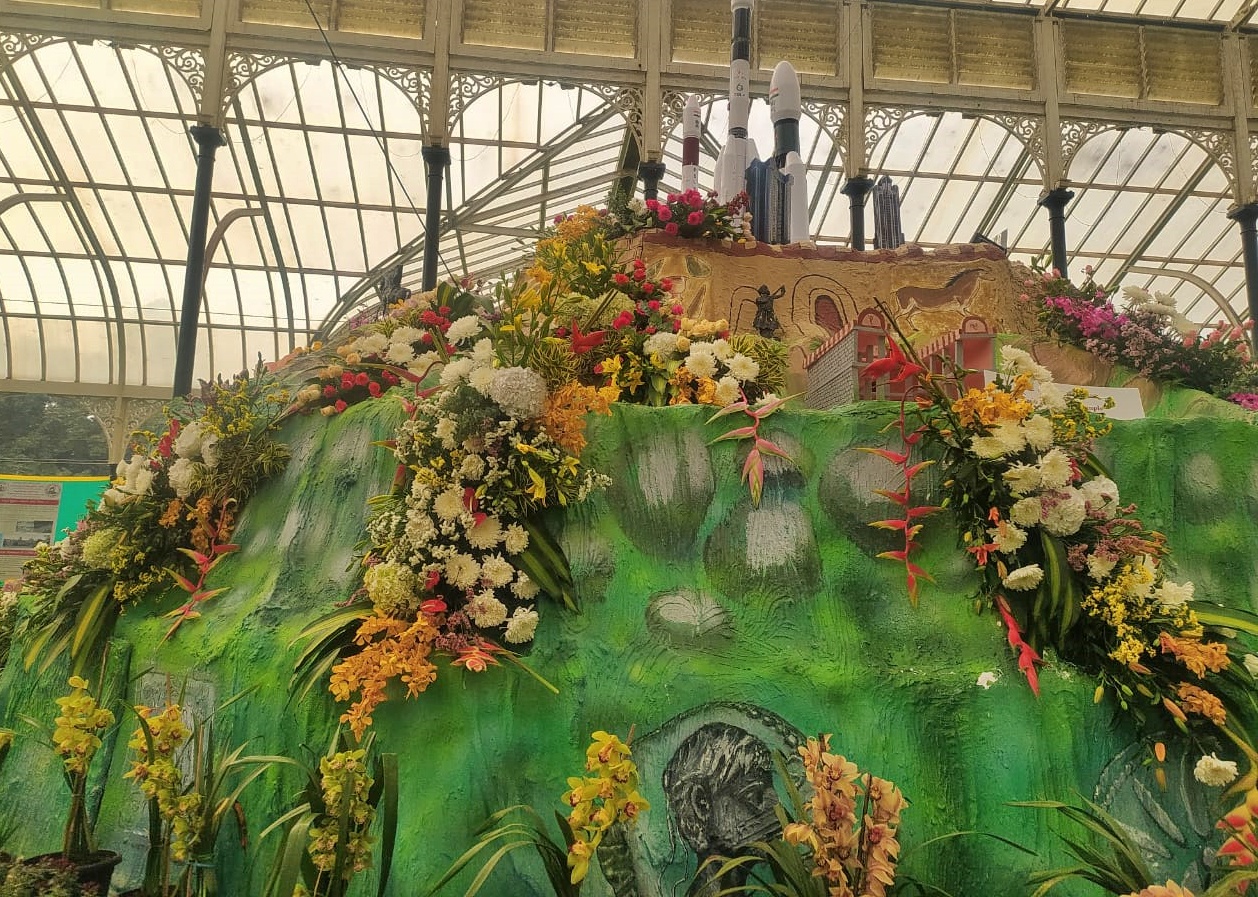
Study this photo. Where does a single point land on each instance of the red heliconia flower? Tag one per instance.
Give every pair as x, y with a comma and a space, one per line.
584, 342
1028, 657
895, 363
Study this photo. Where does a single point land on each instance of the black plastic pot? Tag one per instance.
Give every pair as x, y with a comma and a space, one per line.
97, 869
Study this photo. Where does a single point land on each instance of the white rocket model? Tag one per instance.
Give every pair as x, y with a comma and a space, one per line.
690, 126
739, 149
784, 108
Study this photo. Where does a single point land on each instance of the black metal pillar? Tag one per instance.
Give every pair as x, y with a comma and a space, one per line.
1247, 216
1055, 201
857, 189
650, 172
437, 160
208, 139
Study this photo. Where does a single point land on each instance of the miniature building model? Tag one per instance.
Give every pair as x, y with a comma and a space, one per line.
888, 233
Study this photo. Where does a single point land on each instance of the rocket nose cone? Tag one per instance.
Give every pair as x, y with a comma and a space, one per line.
784, 92
692, 104
739, 4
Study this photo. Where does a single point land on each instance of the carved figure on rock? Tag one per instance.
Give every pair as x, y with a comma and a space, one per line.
719, 786
766, 322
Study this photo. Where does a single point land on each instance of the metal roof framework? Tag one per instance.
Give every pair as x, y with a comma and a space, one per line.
976, 108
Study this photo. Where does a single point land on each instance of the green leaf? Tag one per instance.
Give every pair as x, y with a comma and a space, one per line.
388, 774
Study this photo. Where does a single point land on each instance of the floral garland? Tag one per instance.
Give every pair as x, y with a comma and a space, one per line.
1064, 561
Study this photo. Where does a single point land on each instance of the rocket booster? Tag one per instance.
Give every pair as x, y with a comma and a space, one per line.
739, 150
784, 110
690, 125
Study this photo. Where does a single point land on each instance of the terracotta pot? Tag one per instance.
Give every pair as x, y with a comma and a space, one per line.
97, 869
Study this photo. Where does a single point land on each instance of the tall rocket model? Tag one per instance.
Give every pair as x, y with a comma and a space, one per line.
777, 188
691, 123
739, 149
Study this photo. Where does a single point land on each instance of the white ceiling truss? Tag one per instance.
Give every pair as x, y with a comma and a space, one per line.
1144, 108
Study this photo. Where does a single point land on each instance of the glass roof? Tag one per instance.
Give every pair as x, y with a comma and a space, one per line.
320, 186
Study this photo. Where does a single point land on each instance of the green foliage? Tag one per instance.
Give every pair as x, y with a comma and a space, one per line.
325, 838
1107, 856
772, 356
50, 436
505, 837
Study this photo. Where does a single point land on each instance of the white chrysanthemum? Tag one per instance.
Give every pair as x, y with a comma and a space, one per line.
1141, 587
1024, 578
522, 625
987, 679
728, 391
663, 344
481, 379
486, 534
518, 391
1101, 495
455, 371
182, 474
1100, 566
462, 571
1026, 512
722, 349
463, 329
372, 344
497, 570
525, 588
1005, 439
1137, 295
142, 483
1051, 396
1015, 361
1251, 665
400, 353
114, 498
1055, 469
209, 450
743, 368
444, 430
1007, 538
483, 353
486, 610
472, 467
1022, 478
391, 588
425, 361
1172, 595
1038, 431
420, 528
515, 539
448, 505
405, 334
1212, 771
701, 364
188, 442
1067, 514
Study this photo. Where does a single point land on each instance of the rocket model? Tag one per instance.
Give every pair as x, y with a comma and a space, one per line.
690, 125
784, 111
777, 189
739, 149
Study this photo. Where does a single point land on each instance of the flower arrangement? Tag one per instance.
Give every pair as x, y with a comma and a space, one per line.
169, 513
1064, 561
689, 214
1149, 336
76, 739
606, 796
457, 555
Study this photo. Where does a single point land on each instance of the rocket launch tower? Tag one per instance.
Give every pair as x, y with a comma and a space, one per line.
776, 187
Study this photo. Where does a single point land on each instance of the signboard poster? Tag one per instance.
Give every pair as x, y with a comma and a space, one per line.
36, 509
28, 516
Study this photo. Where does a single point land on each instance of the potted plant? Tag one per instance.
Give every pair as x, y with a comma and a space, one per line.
327, 838
49, 877
76, 738
186, 816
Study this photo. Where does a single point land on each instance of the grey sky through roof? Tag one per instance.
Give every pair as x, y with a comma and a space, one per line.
321, 185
